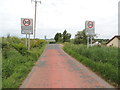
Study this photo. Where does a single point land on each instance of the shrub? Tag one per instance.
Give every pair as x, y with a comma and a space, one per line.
20, 48
36, 43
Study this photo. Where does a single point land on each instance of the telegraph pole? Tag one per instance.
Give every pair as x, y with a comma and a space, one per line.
36, 1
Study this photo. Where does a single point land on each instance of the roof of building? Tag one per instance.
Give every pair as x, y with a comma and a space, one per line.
117, 36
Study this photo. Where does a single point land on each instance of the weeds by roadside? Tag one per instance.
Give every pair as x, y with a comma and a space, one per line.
17, 61
102, 60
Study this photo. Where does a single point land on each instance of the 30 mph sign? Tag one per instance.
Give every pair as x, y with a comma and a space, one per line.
90, 28
26, 26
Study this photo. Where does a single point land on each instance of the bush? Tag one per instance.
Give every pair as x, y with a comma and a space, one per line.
36, 43
20, 48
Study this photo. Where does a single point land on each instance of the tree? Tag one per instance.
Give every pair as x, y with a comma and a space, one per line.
58, 36
66, 36
80, 37
60, 39
8, 35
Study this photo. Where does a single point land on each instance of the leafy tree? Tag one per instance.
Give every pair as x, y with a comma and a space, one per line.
8, 35
60, 39
80, 37
57, 36
66, 36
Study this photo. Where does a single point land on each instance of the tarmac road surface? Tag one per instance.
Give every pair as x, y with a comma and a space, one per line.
56, 69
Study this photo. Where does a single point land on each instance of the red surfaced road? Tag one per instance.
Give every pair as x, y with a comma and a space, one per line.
56, 69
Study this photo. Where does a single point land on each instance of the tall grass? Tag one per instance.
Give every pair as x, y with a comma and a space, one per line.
17, 60
102, 60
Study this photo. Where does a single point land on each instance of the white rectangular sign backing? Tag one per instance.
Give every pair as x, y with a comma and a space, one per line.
26, 26
90, 28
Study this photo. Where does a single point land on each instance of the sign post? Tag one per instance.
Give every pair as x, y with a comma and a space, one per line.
91, 41
87, 42
90, 31
29, 43
26, 41
27, 28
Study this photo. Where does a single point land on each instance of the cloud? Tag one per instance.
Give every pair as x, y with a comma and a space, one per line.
57, 15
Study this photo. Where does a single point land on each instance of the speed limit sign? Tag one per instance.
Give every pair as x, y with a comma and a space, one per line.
26, 26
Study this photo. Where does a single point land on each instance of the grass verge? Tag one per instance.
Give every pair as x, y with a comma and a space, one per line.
102, 60
17, 61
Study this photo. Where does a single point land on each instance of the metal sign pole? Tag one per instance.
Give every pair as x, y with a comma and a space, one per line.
26, 39
29, 42
91, 41
87, 41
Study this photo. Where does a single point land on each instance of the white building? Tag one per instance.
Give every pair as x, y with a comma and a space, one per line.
97, 43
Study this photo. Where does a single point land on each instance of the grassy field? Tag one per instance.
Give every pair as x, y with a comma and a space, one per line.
17, 61
102, 60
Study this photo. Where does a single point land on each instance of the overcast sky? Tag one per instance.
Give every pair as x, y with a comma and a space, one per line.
57, 15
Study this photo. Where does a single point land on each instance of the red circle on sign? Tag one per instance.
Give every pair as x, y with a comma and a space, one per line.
26, 22
90, 24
